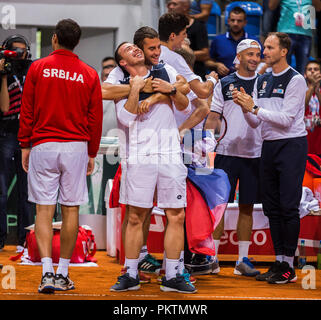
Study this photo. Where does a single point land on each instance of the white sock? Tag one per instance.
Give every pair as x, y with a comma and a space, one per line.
279, 258
47, 265
217, 245
143, 253
63, 267
289, 260
171, 268
243, 249
132, 265
181, 265
164, 261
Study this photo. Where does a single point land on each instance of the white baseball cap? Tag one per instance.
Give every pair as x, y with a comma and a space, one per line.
246, 44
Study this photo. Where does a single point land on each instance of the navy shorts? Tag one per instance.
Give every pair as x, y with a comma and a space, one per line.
244, 170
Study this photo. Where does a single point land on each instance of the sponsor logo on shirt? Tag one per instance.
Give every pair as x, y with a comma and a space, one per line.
278, 91
62, 74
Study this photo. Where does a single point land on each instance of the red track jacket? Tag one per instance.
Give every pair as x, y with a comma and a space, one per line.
61, 102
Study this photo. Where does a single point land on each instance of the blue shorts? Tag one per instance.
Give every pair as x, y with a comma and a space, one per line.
244, 170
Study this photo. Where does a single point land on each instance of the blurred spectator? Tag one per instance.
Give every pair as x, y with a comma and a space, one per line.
196, 33
223, 46
294, 20
107, 64
270, 19
201, 9
109, 114
312, 75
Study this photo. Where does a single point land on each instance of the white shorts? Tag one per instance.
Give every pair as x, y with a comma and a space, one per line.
57, 172
122, 189
168, 179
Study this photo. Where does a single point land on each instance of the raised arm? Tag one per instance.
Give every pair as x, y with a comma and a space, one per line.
201, 111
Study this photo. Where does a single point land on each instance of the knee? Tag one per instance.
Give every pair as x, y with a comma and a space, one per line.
176, 216
136, 216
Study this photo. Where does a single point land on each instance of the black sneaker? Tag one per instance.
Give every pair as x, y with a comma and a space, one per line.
272, 270
286, 274
47, 284
199, 265
63, 283
178, 284
125, 283
149, 264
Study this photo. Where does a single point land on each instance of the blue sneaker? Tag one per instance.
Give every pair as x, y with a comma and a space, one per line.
245, 268
178, 284
125, 283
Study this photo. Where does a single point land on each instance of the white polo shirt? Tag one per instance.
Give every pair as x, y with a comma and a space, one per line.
240, 139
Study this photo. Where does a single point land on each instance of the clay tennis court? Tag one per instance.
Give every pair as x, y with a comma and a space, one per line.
93, 283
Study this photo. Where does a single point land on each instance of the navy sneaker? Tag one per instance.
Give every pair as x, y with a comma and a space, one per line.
125, 283
47, 284
178, 284
149, 264
286, 274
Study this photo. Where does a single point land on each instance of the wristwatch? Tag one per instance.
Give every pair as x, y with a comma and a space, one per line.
254, 108
173, 92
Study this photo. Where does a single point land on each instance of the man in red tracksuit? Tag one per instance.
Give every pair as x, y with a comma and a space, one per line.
60, 131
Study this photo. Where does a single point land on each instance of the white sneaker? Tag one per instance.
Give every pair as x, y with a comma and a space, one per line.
19, 249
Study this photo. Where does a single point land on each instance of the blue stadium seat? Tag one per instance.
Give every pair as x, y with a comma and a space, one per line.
213, 22
254, 14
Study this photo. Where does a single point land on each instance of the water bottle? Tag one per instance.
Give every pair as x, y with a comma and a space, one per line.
319, 257
302, 261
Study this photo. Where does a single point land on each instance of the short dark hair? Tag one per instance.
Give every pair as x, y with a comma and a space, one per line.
318, 62
142, 33
118, 57
238, 10
188, 56
107, 58
284, 39
171, 22
68, 33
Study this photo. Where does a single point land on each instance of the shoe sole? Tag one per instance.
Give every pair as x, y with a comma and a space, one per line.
216, 271
239, 273
285, 281
144, 281
64, 289
168, 289
128, 289
47, 289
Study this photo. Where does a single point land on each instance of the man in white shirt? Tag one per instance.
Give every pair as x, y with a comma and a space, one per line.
172, 33
238, 153
154, 163
278, 106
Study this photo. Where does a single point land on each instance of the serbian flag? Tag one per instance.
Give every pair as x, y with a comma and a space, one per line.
207, 197
114, 193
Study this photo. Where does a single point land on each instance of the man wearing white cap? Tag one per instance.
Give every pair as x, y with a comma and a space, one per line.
238, 154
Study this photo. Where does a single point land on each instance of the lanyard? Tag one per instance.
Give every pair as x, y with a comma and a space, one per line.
18, 81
